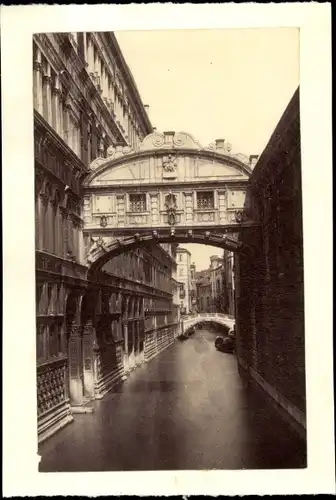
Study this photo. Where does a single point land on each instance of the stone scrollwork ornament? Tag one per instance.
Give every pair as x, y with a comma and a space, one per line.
97, 244
96, 163
110, 152
171, 206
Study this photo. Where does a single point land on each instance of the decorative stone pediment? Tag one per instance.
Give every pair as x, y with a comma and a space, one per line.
172, 145
173, 157
169, 140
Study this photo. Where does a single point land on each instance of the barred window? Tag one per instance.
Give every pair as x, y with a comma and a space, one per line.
137, 202
205, 200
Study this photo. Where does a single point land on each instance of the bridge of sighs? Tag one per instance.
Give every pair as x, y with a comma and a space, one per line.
169, 189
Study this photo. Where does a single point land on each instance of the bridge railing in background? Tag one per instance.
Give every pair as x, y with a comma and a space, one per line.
220, 318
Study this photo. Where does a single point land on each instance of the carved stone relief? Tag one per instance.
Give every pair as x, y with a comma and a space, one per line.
171, 206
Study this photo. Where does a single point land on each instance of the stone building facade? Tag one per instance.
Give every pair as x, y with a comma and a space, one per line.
269, 275
184, 278
228, 293
209, 286
89, 334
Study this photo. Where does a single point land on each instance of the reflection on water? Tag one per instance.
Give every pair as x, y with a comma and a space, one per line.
186, 409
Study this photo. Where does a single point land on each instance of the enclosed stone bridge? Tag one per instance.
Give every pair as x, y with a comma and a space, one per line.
170, 189
220, 319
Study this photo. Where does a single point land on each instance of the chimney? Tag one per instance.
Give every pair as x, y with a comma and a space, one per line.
146, 106
169, 136
220, 143
253, 160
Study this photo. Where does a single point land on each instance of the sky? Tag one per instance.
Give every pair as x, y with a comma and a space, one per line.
231, 84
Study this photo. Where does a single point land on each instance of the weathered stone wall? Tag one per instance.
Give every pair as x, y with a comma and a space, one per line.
270, 301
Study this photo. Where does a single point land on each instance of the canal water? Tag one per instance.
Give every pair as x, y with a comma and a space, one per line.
185, 409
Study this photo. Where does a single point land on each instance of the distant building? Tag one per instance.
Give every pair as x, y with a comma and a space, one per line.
183, 257
209, 286
193, 289
228, 296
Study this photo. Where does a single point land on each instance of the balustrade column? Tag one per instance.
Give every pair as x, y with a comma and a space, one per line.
37, 81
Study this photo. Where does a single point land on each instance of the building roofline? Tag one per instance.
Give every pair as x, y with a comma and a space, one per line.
127, 73
181, 249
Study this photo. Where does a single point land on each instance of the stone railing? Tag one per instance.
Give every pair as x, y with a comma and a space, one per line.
221, 319
50, 385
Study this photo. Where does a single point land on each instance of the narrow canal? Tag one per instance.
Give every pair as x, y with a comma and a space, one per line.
186, 409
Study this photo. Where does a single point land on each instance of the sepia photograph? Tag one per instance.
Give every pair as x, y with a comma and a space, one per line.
169, 250
167, 319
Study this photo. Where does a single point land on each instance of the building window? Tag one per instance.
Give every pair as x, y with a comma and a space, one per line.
180, 257
182, 291
137, 202
205, 200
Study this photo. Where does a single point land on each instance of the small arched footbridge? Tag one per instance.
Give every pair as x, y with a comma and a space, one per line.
220, 319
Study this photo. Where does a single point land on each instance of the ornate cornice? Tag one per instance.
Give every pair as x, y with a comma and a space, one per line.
138, 105
168, 145
49, 138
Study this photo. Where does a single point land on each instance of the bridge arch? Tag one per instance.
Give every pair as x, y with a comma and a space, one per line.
104, 249
220, 319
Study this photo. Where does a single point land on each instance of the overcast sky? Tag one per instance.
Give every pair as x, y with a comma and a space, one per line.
232, 84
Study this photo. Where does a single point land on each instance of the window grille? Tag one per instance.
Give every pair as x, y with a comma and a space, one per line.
137, 202
205, 200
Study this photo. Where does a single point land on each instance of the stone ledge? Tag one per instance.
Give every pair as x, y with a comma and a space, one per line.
56, 423
286, 410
